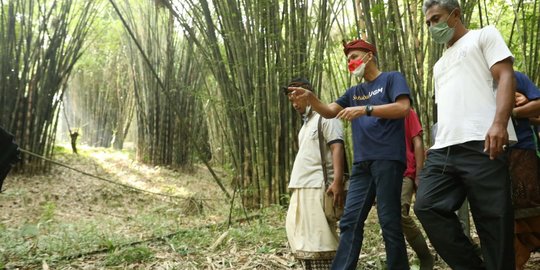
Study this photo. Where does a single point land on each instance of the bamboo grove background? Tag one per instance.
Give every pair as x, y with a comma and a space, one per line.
199, 80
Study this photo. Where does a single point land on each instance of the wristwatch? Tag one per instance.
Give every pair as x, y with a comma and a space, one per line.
369, 109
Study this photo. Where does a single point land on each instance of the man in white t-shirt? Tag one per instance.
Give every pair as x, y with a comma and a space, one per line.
312, 237
474, 92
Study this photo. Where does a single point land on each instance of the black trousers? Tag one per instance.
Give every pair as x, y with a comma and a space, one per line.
449, 176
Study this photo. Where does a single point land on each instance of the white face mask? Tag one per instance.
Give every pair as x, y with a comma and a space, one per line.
359, 71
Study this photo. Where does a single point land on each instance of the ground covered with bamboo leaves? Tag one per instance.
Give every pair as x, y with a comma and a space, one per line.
65, 220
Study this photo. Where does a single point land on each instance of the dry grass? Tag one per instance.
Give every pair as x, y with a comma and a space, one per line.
47, 218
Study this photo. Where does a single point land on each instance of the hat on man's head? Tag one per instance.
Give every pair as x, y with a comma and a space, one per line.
359, 44
297, 82
300, 81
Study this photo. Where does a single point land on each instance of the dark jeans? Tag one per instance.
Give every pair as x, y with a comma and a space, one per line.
370, 179
449, 176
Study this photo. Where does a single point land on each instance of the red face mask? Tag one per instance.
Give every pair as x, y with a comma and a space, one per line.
353, 64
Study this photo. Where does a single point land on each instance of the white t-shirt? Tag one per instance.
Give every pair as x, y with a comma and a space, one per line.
307, 169
465, 91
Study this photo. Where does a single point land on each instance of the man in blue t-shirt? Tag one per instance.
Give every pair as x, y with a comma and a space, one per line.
524, 171
376, 109
525, 88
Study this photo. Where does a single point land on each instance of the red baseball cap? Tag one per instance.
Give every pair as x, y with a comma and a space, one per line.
359, 44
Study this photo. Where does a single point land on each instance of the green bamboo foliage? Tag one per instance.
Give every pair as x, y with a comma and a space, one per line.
172, 129
40, 41
525, 37
253, 48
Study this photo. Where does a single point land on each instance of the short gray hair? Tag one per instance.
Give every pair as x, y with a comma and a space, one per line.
449, 5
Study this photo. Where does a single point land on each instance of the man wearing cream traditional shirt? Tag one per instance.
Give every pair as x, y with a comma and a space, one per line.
312, 236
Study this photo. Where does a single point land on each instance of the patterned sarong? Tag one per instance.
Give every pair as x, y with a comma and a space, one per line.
524, 171
310, 235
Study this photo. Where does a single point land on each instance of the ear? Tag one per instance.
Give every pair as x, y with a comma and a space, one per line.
370, 56
457, 14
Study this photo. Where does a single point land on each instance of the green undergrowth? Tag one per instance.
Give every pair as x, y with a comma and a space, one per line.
52, 240
55, 242
264, 234
129, 255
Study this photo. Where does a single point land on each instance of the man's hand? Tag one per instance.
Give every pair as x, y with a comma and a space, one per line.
496, 140
417, 181
534, 120
521, 99
336, 189
351, 113
299, 93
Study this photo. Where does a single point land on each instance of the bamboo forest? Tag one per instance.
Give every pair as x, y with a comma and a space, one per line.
161, 134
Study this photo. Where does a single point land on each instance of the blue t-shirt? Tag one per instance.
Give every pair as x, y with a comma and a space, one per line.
376, 138
522, 126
